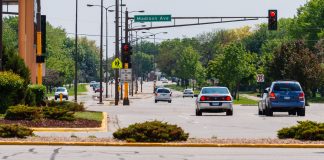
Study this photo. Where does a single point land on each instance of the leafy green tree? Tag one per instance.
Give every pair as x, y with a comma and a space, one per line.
142, 63
233, 66
296, 62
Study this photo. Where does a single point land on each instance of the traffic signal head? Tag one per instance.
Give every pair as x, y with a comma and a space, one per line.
126, 49
272, 17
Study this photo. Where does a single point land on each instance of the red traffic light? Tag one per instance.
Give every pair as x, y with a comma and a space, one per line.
126, 47
272, 13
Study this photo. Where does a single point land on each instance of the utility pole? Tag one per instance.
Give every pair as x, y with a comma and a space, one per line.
101, 33
117, 52
127, 64
121, 41
76, 54
1, 33
106, 52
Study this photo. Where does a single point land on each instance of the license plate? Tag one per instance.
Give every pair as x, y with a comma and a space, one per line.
215, 104
287, 98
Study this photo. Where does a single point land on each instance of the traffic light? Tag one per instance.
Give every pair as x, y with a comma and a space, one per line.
126, 54
272, 23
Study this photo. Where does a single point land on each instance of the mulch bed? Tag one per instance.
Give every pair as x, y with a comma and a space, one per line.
49, 123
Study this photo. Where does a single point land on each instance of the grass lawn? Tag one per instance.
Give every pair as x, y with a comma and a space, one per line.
245, 101
97, 116
81, 89
250, 93
317, 100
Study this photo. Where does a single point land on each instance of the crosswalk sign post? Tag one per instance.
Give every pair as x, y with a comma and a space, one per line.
117, 64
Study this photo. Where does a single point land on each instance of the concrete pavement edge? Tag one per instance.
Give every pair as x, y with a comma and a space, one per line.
103, 128
122, 144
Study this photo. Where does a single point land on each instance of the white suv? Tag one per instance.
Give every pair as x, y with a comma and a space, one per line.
63, 91
163, 94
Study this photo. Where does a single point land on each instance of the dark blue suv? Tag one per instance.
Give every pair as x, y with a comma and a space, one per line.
284, 96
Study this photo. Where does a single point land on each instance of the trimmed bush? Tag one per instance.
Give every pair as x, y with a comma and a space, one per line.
11, 86
14, 131
58, 114
154, 131
39, 92
304, 130
71, 106
22, 112
30, 98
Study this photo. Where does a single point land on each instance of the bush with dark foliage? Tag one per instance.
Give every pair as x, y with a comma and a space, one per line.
305, 130
154, 131
22, 112
14, 131
58, 114
71, 106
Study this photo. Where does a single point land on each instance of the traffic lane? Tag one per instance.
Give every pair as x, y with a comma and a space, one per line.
149, 153
245, 123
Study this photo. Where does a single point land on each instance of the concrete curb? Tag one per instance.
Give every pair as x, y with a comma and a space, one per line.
164, 144
103, 127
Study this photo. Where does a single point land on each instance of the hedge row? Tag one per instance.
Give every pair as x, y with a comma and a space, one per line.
14, 131
304, 130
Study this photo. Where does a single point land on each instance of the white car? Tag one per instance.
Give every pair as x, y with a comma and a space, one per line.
63, 91
163, 94
188, 93
165, 80
214, 100
92, 83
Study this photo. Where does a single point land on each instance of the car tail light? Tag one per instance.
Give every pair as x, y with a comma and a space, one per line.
301, 96
228, 98
272, 96
205, 98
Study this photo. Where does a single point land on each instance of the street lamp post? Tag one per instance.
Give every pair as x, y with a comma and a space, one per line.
76, 53
101, 33
154, 34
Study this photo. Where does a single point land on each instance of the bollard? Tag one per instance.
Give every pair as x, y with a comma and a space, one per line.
61, 97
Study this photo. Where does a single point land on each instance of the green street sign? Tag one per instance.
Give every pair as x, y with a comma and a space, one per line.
152, 18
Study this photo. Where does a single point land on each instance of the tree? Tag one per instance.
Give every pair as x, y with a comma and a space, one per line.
296, 62
233, 66
142, 63
187, 63
52, 79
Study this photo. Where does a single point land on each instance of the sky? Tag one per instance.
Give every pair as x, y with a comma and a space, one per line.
61, 13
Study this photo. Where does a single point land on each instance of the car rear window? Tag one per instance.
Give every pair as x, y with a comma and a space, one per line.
60, 90
215, 91
163, 91
278, 87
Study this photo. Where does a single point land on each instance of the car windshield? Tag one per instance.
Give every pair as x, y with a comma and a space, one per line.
188, 91
60, 90
215, 91
163, 91
279, 87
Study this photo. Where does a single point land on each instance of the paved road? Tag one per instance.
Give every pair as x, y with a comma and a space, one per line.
245, 123
155, 153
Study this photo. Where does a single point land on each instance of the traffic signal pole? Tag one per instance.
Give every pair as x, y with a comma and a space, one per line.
117, 52
126, 65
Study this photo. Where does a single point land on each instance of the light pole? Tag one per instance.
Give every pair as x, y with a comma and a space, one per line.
76, 53
107, 10
154, 34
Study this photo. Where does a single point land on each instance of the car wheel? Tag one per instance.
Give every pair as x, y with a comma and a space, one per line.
67, 98
269, 112
156, 101
169, 101
260, 112
301, 112
198, 112
55, 98
229, 112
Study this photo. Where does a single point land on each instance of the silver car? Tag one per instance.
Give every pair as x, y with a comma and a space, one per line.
214, 100
188, 93
63, 91
163, 94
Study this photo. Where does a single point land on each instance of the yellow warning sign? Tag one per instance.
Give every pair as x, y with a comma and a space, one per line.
117, 64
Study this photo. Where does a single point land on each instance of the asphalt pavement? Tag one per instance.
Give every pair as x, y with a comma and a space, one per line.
245, 123
155, 153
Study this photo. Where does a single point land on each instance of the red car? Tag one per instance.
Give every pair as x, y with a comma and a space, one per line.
98, 90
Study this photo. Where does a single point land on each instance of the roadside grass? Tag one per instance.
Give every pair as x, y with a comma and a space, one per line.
316, 100
250, 93
97, 116
245, 101
81, 89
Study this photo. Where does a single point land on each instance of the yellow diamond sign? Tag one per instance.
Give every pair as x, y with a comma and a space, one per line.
117, 64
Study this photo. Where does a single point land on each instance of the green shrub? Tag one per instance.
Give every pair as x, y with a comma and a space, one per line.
71, 106
11, 86
14, 131
39, 92
30, 98
22, 112
58, 114
304, 130
154, 131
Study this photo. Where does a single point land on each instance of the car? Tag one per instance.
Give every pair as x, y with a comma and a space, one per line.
165, 80
157, 87
214, 100
98, 90
188, 93
262, 102
95, 85
92, 83
284, 96
163, 94
63, 91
